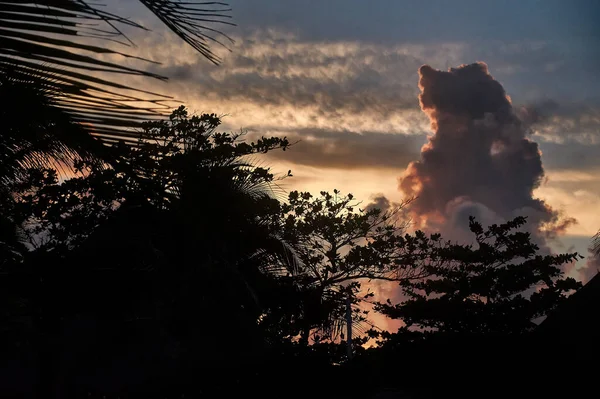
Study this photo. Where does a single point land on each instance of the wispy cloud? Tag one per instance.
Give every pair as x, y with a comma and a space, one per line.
350, 150
273, 79
558, 123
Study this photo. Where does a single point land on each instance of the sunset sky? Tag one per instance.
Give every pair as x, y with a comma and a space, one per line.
342, 76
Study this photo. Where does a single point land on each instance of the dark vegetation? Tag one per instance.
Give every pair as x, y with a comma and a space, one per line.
164, 263
176, 266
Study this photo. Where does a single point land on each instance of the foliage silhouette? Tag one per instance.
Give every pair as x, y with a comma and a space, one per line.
469, 328
499, 285
339, 245
183, 241
596, 244
175, 268
36, 135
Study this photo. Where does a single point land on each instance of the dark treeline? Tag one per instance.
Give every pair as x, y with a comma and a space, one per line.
174, 265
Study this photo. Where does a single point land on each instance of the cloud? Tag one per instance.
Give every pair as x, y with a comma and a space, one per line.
569, 133
273, 78
344, 149
379, 201
553, 122
480, 160
334, 77
580, 196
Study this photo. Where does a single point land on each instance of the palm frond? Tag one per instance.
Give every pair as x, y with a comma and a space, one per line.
596, 244
275, 257
190, 21
51, 39
36, 132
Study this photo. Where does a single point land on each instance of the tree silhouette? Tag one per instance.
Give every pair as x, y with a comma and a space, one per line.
499, 285
469, 326
179, 233
192, 181
36, 134
339, 246
178, 257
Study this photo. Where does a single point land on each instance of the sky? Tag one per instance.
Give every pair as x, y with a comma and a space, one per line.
518, 133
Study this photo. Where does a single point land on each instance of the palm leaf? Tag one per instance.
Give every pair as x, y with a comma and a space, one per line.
39, 134
596, 244
51, 39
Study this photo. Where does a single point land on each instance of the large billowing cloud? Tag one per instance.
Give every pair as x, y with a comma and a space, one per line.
480, 160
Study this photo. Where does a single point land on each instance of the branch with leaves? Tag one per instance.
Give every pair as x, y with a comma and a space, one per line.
340, 245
